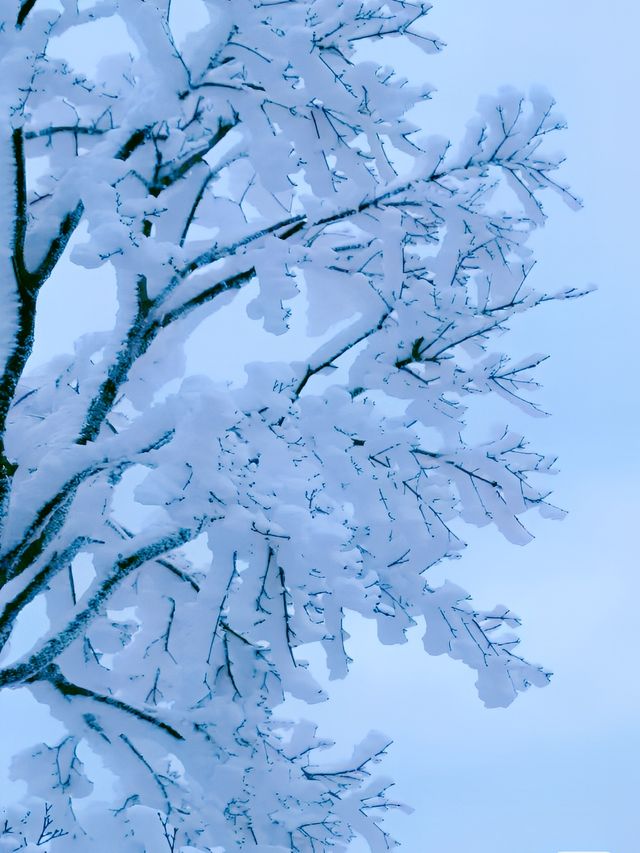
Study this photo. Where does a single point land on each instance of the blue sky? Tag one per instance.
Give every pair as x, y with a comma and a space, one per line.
559, 770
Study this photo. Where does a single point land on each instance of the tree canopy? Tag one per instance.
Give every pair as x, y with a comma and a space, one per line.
262, 153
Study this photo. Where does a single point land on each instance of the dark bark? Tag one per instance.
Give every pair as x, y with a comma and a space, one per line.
24, 10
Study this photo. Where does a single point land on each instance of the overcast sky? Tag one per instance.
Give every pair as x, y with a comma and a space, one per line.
558, 771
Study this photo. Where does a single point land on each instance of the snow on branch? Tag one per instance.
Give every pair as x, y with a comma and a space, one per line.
259, 161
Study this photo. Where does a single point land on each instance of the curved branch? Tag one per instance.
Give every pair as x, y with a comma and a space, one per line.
217, 253
54, 676
138, 340
124, 566
126, 534
52, 514
164, 181
294, 224
328, 362
27, 285
59, 244
194, 207
234, 282
39, 582
48, 521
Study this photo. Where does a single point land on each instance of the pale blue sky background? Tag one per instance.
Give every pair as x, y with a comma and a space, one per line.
559, 770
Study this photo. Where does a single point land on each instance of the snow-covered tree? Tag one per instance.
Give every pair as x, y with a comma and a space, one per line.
263, 154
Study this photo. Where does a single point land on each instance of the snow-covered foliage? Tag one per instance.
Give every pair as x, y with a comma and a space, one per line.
260, 153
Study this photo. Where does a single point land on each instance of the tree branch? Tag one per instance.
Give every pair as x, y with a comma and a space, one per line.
54, 676
35, 586
133, 142
126, 534
217, 253
48, 521
139, 337
27, 286
328, 362
20, 227
234, 282
167, 180
294, 224
75, 129
194, 207
123, 567
472, 474
59, 244
24, 10
51, 516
